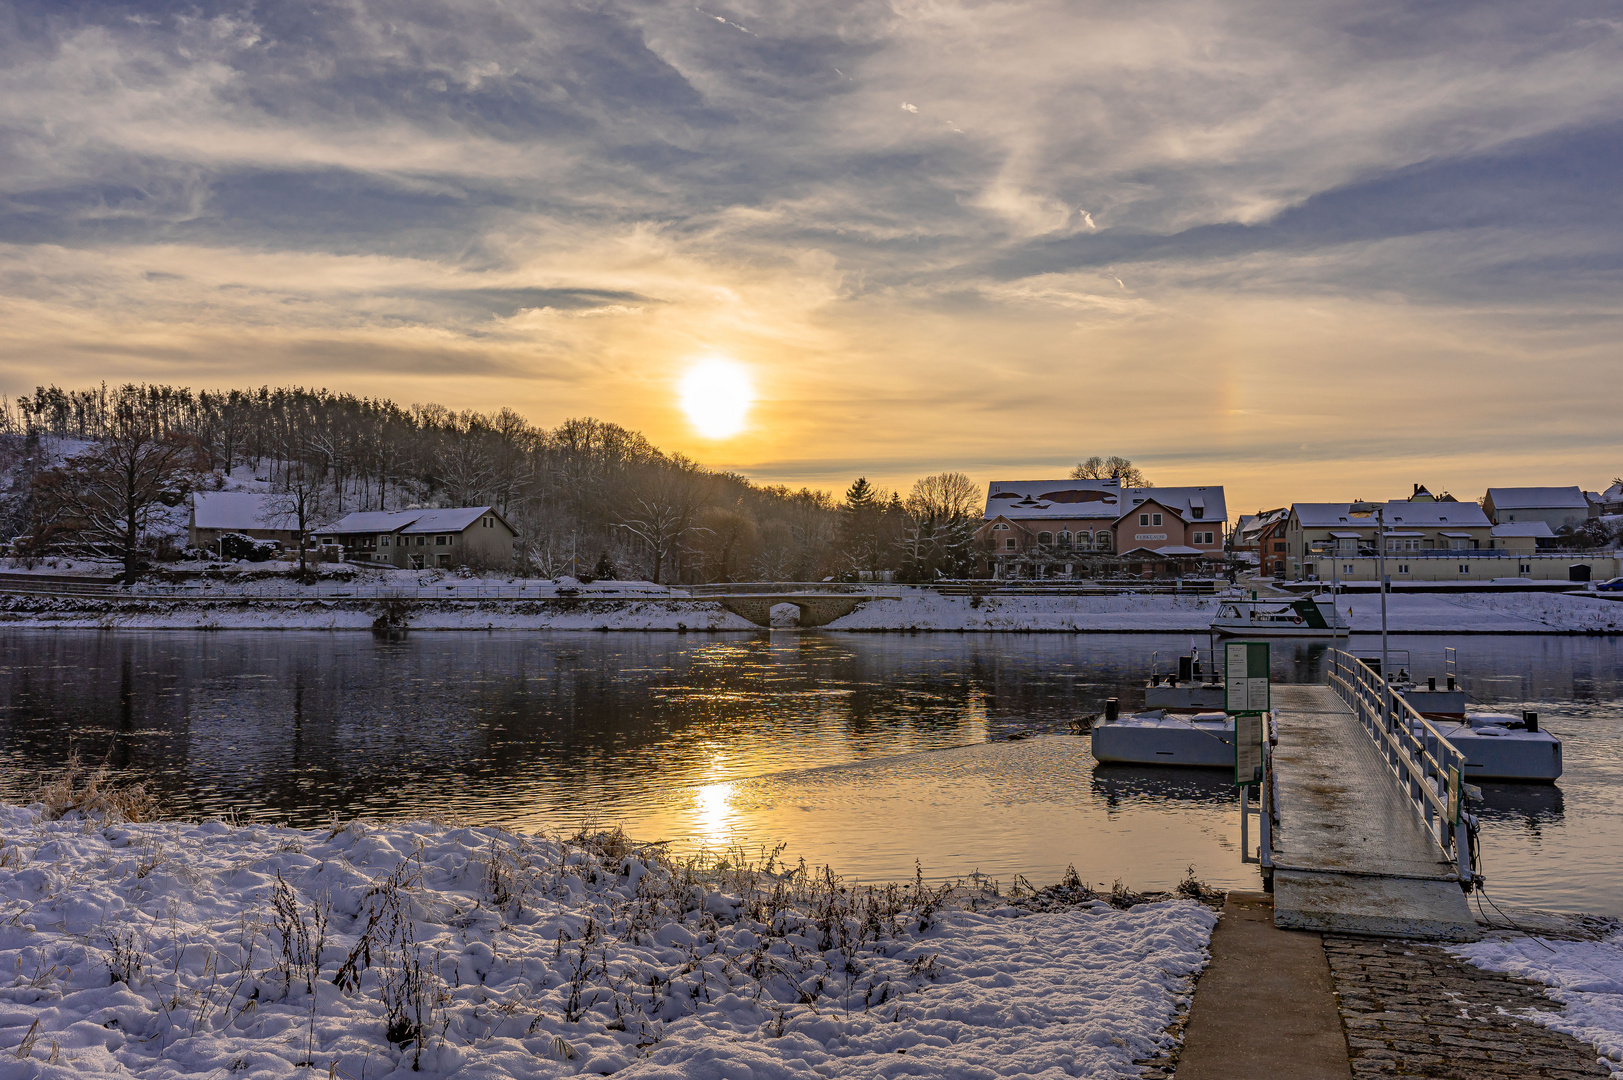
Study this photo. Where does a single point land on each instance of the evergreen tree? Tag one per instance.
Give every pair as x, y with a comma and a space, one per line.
605, 570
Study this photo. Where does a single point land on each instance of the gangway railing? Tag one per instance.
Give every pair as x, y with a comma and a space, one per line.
1428, 768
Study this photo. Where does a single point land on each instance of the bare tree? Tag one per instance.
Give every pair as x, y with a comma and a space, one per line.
1111, 468
106, 495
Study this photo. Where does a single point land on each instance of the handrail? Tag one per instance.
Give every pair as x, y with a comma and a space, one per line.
1418, 755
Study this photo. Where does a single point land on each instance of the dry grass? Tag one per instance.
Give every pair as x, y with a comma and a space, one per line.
93, 792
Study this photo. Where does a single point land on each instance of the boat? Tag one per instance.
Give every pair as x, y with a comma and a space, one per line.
1497, 746
1305, 617
1159, 737
1187, 691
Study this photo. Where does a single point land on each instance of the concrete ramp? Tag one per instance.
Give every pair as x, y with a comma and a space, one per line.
1350, 853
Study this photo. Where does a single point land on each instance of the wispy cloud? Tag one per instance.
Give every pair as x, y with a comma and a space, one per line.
982, 216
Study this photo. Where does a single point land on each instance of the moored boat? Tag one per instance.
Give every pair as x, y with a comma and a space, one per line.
1159, 737
1304, 617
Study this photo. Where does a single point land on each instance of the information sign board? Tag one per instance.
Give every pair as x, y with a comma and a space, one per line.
1453, 795
1245, 677
1248, 749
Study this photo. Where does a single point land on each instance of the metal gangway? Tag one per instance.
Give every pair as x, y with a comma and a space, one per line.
1428, 768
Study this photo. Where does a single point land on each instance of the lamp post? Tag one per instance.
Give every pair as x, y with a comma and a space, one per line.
1379, 510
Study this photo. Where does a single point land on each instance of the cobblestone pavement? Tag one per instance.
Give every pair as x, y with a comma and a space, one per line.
1413, 1010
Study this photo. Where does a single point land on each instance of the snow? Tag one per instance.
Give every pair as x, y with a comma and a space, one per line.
1509, 612
1584, 976
238, 511
195, 950
257, 599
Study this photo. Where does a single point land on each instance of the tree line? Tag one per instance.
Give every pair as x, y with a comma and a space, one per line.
94, 468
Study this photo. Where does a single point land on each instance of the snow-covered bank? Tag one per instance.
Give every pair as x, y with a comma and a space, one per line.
1503, 613
915, 609
138, 613
174, 950
1585, 976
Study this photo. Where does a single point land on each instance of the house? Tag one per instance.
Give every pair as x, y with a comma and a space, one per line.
1071, 528
1608, 502
424, 539
1521, 537
1557, 507
1420, 523
253, 514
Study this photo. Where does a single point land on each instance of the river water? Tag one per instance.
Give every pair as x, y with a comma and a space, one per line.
873, 753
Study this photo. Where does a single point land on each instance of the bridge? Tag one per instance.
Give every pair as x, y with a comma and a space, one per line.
816, 609
1364, 832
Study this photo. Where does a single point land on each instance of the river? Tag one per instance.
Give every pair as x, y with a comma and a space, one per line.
874, 753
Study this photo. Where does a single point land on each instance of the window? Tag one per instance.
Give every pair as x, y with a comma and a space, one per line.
1465, 568
1009, 543
1197, 512
1403, 568
1000, 527
383, 541
490, 522
1101, 542
1279, 545
1064, 538
1524, 568
1143, 519
1155, 519
1346, 568
1045, 538
421, 540
439, 541
1205, 538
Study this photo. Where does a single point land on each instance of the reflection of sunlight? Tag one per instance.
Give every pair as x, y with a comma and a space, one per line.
713, 813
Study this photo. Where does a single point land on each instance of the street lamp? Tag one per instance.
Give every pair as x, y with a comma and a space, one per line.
1364, 509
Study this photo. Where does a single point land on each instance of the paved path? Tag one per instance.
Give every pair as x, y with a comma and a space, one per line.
1414, 1010
1265, 1007
1351, 854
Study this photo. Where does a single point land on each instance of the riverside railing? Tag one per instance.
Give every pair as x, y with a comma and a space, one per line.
1428, 768
332, 590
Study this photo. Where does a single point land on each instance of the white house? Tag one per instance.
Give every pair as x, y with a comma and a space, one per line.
1557, 507
215, 513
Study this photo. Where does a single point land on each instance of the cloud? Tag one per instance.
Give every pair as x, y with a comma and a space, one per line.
579, 197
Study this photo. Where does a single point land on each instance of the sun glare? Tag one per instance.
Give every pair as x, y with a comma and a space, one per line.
716, 395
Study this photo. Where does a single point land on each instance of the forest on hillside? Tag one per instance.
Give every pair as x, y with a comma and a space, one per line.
91, 469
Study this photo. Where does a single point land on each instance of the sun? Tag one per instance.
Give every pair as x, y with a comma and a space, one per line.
716, 395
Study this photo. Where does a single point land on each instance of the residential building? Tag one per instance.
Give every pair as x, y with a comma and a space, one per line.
1482, 565
253, 514
1558, 507
424, 539
1075, 528
1420, 523
1522, 537
1608, 502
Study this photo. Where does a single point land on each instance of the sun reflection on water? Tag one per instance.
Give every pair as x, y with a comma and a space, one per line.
714, 819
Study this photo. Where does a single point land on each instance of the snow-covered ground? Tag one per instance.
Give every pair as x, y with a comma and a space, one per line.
207, 950
1509, 612
1584, 976
252, 596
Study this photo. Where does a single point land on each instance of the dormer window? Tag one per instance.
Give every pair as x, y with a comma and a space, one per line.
1197, 512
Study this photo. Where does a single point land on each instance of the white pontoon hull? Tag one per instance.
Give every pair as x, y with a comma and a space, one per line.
1165, 740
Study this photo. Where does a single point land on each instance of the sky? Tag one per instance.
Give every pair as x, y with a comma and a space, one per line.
1306, 250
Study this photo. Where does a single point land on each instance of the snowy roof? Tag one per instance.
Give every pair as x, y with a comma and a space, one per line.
1398, 512
1170, 550
1538, 498
1075, 499
449, 520
1539, 529
1613, 493
237, 510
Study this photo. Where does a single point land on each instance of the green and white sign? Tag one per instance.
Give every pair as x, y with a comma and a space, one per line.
1248, 749
1245, 677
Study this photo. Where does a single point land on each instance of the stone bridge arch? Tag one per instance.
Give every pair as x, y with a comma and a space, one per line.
814, 610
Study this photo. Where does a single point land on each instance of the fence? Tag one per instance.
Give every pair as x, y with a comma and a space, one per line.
1428, 768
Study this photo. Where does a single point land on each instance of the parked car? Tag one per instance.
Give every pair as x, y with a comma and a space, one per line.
1614, 585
